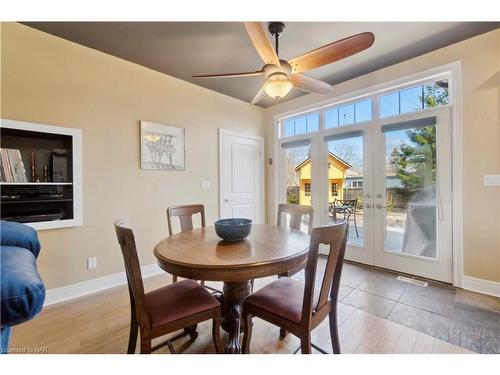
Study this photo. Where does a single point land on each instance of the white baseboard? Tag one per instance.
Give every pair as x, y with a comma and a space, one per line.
68, 292
491, 288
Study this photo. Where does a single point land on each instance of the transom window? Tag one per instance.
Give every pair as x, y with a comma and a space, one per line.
300, 125
352, 113
410, 99
413, 99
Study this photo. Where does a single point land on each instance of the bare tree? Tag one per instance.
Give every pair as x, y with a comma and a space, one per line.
350, 152
293, 157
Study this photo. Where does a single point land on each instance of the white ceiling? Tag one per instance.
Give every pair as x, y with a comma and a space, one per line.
183, 49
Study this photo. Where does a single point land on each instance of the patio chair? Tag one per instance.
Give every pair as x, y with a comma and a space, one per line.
345, 207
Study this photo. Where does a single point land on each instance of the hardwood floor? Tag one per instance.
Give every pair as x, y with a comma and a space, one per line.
99, 323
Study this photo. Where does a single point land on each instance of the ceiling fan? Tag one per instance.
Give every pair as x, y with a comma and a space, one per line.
281, 75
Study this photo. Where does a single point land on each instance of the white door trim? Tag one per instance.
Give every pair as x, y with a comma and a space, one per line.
457, 173
454, 72
258, 138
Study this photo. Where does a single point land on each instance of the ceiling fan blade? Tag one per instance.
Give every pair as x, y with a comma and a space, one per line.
332, 52
243, 74
309, 84
261, 42
258, 97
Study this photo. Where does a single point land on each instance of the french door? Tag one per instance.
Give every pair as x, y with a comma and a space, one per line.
412, 195
390, 179
348, 192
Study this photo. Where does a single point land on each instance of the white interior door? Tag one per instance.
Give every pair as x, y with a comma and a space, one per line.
241, 181
412, 195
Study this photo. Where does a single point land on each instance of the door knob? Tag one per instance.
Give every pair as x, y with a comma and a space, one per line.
379, 206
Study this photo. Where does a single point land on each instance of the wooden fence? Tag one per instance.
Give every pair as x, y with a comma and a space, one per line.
394, 199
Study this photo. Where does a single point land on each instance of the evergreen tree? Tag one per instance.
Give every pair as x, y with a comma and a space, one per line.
406, 160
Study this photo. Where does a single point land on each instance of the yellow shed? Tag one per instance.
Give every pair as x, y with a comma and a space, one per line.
336, 175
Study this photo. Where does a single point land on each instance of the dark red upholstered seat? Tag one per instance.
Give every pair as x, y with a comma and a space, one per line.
165, 310
178, 300
283, 297
299, 307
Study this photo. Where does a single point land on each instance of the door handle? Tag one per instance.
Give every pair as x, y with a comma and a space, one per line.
379, 206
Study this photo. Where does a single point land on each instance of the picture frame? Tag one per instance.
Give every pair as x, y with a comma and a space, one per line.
162, 147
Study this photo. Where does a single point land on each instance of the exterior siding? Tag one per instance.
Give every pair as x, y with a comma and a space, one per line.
336, 174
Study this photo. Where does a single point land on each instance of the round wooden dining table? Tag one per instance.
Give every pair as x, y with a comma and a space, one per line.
200, 254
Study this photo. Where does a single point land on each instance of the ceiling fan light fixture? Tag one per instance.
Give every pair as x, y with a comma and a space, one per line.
278, 85
282, 75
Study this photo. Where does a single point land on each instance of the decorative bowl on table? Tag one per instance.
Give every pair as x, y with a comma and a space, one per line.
234, 229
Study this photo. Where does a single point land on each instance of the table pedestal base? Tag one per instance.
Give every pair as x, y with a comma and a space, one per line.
235, 293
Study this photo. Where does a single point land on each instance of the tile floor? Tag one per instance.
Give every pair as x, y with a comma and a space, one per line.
462, 318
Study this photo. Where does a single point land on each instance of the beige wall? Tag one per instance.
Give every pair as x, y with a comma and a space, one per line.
480, 57
48, 80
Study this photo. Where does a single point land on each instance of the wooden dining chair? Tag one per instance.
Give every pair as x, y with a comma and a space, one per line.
185, 214
297, 214
177, 306
296, 306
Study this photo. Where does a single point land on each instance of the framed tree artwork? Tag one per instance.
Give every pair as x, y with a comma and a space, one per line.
162, 147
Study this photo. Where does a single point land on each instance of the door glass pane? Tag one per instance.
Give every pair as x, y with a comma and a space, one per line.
346, 115
411, 201
298, 181
345, 185
332, 118
411, 99
298, 174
